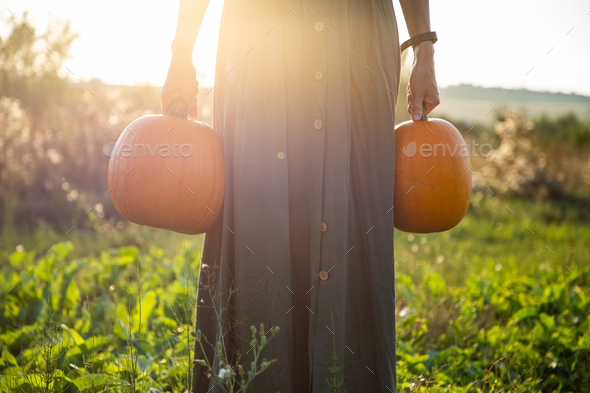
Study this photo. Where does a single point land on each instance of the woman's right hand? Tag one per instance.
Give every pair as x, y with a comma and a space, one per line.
181, 81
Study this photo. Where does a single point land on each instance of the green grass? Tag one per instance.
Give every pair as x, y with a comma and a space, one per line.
493, 289
486, 306
503, 237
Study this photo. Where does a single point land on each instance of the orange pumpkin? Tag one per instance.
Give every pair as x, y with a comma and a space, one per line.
432, 176
168, 172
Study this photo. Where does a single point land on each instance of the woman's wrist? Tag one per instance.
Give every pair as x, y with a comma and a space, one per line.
182, 53
424, 50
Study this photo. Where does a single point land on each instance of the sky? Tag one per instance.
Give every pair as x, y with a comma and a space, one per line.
539, 45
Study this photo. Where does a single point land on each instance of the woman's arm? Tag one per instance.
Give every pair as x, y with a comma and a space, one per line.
422, 88
190, 17
181, 80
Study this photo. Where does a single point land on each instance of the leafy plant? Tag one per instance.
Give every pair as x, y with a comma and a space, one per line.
335, 382
465, 299
232, 376
235, 378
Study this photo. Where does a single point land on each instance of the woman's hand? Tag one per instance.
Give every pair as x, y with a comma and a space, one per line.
181, 81
422, 86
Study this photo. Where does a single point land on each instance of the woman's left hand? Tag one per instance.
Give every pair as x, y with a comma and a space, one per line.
422, 86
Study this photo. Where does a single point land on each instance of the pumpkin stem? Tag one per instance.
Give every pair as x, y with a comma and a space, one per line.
177, 108
424, 117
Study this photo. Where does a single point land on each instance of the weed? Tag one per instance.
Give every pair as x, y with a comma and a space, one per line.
335, 382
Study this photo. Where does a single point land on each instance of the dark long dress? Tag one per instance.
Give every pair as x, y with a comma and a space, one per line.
305, 93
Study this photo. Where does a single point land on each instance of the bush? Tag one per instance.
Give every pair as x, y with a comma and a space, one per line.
517, 167
567, 129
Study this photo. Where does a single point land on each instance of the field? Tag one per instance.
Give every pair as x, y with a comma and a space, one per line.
92, 303
500, 301
477, 110
474, 104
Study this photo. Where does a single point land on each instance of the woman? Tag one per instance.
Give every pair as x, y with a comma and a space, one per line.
304, 101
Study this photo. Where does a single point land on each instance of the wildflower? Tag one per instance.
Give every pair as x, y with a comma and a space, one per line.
265, 364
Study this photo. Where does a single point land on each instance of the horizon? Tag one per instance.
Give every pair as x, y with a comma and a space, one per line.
202, 86
551, 62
